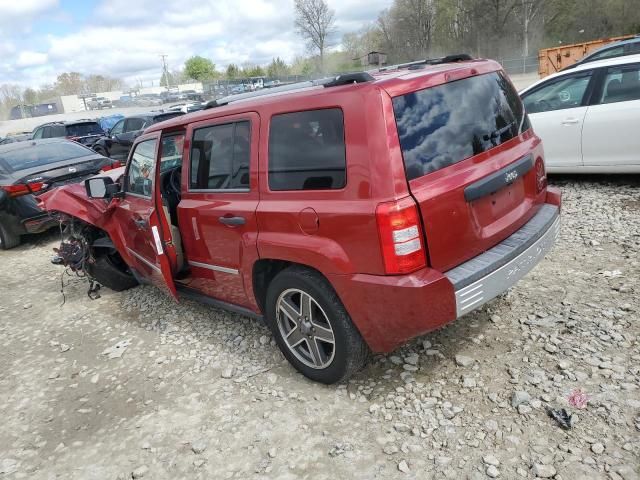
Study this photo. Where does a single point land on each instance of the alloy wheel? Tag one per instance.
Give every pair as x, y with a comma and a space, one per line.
305, 328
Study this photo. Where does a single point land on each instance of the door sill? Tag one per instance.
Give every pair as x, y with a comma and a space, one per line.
192, 294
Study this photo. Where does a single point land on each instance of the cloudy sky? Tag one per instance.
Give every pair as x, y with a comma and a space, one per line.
124, 38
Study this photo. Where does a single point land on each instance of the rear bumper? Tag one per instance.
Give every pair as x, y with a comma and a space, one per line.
488, 275
390, 310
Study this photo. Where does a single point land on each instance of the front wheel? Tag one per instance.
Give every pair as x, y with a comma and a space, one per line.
312, 327
8, 239
112, 272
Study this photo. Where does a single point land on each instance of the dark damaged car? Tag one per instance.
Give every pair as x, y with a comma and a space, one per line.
28, 169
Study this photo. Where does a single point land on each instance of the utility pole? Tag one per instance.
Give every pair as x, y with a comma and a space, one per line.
165, 69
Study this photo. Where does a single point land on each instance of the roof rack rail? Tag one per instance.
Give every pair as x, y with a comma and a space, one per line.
458, 57
342, 79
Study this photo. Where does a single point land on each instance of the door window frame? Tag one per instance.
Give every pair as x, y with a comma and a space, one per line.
249, 117
600, 75
587, 96
125, 184
111, 133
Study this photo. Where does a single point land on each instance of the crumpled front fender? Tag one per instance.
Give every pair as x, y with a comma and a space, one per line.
72, 200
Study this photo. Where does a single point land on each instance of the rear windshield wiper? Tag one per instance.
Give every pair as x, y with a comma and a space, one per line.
497, 133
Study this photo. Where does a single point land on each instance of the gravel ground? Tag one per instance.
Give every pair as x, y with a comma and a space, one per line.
193, 392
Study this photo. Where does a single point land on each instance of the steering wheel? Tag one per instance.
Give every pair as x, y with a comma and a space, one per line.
174, 181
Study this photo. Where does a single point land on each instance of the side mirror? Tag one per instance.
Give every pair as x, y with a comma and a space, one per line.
101, 187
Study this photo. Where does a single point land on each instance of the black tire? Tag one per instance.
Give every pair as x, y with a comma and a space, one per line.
111, 273
349, 352
8, 239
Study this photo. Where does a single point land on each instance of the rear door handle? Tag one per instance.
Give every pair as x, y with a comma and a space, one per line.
570, 121
232, 221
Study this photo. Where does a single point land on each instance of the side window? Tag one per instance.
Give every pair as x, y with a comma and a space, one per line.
307, 150
140, 174
566, 92
621, 84
58, 131
118, 128
47, 132
609, 53
38, 133
134, 124
220, 157
171, 152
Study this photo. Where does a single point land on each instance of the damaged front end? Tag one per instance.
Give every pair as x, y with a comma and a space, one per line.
75, 253
86, 249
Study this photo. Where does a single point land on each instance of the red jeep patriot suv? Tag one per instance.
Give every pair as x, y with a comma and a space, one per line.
352, 214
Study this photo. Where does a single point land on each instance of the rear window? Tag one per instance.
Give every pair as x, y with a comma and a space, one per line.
166, 116
83, 129
307, 151
443, 125
43, 154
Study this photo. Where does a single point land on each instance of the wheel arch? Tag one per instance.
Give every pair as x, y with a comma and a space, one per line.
266, 269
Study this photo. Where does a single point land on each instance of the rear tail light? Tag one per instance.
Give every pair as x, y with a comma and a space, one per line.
23, 189
400, 236
541, 175
114, 164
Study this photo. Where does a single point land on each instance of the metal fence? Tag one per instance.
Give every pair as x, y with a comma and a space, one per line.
520, 65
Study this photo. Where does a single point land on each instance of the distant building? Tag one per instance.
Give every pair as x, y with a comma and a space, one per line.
375, 59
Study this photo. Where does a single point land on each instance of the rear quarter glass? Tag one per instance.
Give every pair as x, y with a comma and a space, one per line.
448, 123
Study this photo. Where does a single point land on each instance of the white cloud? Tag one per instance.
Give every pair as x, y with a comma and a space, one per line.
31, 59
124, 38
17, 15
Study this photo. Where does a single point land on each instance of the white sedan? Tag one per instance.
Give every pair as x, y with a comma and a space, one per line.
589, 117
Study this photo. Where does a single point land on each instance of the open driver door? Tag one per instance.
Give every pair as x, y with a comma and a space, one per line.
140, 218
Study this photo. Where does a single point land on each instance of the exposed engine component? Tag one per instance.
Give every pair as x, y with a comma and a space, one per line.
75, 253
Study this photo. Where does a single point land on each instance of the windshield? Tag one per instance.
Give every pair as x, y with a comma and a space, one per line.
443, 125
42, 154
82, 129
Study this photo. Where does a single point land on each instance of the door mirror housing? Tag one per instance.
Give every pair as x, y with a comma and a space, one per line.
101, 187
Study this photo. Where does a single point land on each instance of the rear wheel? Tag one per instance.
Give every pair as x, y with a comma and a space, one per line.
111, 272
8, 239
101, 150
312, 327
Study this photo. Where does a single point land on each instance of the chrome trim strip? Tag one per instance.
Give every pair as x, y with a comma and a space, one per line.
493, 284
215, 268
145, 261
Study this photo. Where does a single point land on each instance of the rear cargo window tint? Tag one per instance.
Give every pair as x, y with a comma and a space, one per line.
443, 125
307, 151
220, 157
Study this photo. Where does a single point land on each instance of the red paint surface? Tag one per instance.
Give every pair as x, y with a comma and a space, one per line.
335, 231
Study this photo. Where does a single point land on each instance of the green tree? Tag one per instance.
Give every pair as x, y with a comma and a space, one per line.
250, 70
30, 96
200, 68
277, 68
69, 83
233, 71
